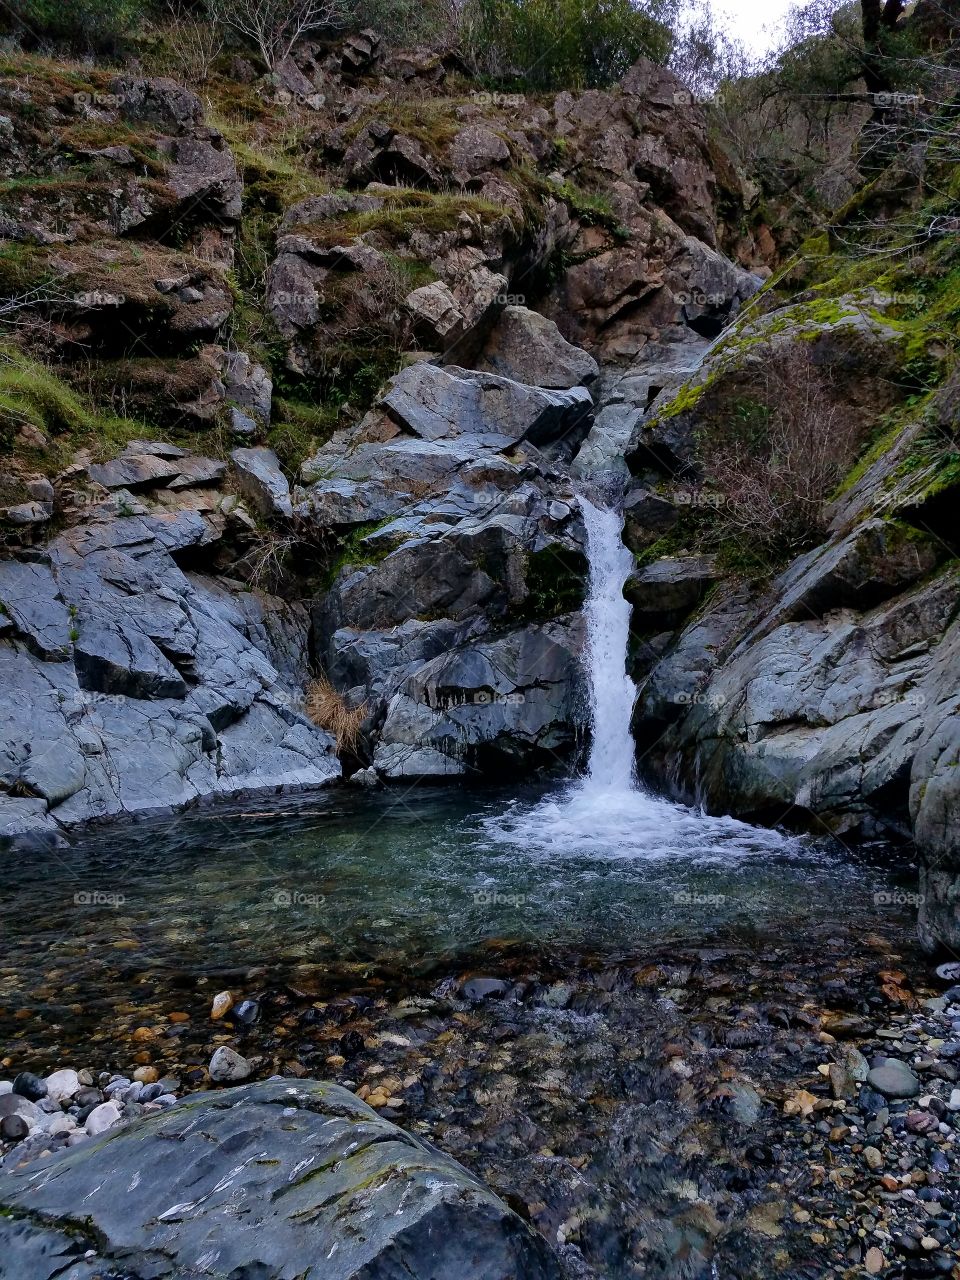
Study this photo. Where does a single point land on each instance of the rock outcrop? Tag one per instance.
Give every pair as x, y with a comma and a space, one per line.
825, 697
273, 1180
449, 620
135, 684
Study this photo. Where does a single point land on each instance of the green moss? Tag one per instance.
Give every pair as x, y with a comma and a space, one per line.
556, 579
405, 212
32, 395
299, 428
354, 552
592, 208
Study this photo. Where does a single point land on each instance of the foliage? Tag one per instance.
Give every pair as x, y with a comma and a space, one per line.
274, 27
554, 44
86, 25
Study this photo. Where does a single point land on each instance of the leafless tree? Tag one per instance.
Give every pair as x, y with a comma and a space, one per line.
195, 38
275, 26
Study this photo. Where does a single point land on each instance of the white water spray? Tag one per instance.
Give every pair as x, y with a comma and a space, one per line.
612, 692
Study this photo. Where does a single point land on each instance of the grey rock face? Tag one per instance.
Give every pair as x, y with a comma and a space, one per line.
262, 481
437, 404
262, 1180
131, 687
527, 347
450, 612
509, 702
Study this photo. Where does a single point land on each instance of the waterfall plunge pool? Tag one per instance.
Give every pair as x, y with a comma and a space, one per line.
348, 883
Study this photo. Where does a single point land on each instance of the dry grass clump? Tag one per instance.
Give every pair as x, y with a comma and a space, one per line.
329, 710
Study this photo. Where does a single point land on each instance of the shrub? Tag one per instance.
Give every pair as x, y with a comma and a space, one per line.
329, 710
274, 27
556, 44
85, 25
774, 460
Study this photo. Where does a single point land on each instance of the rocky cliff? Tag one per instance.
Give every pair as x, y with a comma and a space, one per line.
333, 336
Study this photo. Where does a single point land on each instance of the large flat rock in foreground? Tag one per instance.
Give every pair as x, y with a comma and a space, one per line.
274, 1181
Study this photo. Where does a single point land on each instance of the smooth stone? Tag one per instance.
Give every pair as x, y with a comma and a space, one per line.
101, 1118
29, 1086
14, 1104
483, 988
222, 1003
62, 1085
247, 1012
894, 1079
13, 1128
227, 1066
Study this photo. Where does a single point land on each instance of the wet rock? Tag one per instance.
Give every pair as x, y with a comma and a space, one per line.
247, 1012
483, 988
310, 1152
222, 1003
13, 1128
29, 1086
894, 1079
664, 592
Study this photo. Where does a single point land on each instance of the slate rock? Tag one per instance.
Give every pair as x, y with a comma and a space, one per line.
265, 1180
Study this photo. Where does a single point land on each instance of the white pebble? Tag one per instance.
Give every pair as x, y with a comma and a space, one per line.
102, 1118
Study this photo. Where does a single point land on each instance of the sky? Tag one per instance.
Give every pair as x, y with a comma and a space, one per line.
756, 22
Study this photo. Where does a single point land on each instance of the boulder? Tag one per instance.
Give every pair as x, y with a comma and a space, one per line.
264, 1180
262, 481
527, 347
476, 149
438, 404
667, 590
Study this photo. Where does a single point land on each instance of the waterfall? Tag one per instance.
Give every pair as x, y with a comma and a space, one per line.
612, 692
606, 814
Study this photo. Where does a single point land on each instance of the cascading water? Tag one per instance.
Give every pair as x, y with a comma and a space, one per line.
612, 692
606, 813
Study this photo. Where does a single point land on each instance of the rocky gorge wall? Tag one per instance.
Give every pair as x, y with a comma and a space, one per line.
429, 551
